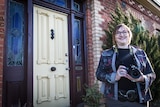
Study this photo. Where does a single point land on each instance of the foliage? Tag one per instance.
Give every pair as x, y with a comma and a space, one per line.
93, 96
142, 39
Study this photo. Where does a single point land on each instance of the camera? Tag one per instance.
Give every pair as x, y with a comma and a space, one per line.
130, 95
133, 71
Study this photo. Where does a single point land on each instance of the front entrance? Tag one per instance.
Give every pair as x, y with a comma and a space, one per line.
45, 59
50, 59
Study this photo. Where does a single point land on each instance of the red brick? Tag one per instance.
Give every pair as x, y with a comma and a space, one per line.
2, 18
2, 1
1, 30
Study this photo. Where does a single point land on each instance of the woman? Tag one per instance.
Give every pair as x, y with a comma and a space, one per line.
125, 72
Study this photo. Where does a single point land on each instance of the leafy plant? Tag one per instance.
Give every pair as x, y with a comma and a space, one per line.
93, 96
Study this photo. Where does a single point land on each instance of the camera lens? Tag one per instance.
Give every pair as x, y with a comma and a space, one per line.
131, 95
134, 72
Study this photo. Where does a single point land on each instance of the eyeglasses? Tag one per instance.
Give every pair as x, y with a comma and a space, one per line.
123, 32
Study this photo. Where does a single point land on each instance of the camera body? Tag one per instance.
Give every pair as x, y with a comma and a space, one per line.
133, 71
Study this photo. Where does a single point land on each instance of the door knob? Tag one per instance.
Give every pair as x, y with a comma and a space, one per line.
53, 68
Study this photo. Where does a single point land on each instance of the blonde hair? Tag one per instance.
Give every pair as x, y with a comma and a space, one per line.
126, 27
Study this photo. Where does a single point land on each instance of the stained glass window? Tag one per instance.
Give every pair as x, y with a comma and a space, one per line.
62, 3
77, 42
15, 36
76, 6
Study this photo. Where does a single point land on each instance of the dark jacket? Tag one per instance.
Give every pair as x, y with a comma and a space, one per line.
106, 73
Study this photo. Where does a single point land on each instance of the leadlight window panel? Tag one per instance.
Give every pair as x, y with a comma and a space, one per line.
76, 6
77, 42
15, 35
62, 3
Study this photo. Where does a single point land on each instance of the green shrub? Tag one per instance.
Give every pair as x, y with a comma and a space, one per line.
93, 96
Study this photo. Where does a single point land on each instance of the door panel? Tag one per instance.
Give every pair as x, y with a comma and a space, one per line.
51, 74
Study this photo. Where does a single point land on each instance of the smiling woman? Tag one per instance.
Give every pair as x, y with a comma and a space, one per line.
122, 36
123, 70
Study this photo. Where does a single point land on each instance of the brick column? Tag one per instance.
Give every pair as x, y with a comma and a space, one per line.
94, 33
2, 27
89, 41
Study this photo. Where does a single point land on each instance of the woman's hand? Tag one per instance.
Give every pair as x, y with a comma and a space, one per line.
140, 79
121, 72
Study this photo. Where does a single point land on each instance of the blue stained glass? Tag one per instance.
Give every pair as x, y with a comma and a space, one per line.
16, 17
76, 6
77, 42
62, 3
15, 41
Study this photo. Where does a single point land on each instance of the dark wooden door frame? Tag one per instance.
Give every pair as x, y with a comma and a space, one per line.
30, 55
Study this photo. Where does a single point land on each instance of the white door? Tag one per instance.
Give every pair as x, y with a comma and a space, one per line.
51, 74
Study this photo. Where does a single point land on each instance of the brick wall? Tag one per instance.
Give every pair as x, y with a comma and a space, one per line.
94, 32
98, 14
2, 17
89, 38
149, 20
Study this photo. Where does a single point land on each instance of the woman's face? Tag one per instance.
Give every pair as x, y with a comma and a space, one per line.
122, 37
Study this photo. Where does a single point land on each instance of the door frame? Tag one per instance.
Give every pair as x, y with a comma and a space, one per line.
29, 66
30, 55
